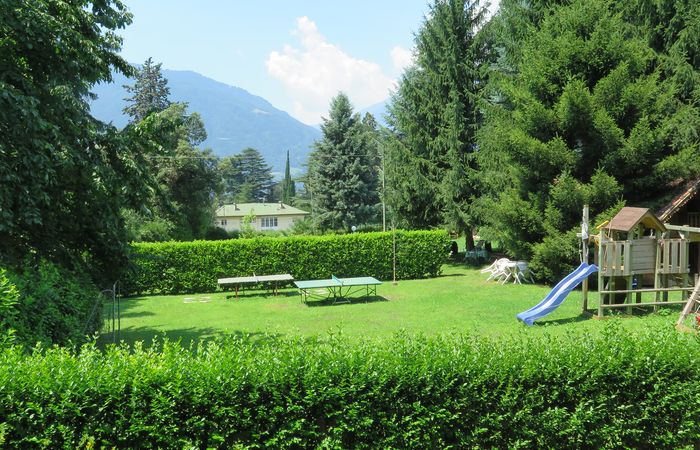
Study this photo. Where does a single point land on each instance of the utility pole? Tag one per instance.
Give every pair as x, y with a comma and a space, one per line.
383, 193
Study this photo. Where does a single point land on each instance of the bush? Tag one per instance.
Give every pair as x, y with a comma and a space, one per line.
613, 390
191, 267
55, 306
9, 298
216, 234
556, 256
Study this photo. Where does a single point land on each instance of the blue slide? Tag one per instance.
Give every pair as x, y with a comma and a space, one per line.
558, 294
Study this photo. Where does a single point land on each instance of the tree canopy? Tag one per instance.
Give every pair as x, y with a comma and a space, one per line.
246, 177
64, 176
149, 93
434, 115
584, 111
342, 177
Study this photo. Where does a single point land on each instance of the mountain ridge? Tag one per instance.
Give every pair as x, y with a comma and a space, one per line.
234, 118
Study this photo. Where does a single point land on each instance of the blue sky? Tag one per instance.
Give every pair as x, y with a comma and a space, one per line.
297, 54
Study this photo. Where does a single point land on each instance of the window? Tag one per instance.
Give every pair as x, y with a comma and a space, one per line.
223, 222
268, 222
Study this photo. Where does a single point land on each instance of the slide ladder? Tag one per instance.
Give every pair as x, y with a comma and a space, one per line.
693, 304
557, 295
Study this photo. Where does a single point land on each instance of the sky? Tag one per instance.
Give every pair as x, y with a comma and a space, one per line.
297, 54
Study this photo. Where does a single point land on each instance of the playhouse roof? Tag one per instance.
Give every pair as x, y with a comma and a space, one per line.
629, 217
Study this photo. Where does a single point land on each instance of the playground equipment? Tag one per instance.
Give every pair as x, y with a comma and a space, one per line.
634, 250
692, 307
557, 295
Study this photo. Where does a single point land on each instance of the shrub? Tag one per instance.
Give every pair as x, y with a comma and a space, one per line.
9, 298
55, 306
190, 267
557, 255
216, 234
613, 390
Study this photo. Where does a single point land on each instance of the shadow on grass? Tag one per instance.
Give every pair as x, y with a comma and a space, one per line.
470, 263
580, 318
186, 336
345, 301
136, 314
260, 294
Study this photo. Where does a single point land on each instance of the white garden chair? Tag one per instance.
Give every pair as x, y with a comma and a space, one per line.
498, 270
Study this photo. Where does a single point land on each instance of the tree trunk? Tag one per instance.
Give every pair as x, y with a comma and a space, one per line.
469, 240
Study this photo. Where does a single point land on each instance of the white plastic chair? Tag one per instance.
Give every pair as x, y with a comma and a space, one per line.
498, 269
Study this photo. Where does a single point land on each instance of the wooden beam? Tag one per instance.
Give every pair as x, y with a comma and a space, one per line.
624, 305
627, 291
682, 228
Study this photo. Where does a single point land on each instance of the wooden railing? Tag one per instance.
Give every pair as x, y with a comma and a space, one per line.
639, 256
673, 256
613, 257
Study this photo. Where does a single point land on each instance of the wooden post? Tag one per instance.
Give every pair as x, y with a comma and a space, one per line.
628, 296
601, 287
584, 255
657, 269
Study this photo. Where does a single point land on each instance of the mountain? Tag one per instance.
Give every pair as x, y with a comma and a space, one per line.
234, 118
378, 110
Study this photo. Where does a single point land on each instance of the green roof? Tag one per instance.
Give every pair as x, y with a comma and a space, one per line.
259, 209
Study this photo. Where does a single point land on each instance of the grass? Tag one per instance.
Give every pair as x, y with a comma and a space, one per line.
461, 300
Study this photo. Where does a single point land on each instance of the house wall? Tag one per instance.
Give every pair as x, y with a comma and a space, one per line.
234, 223
689, 215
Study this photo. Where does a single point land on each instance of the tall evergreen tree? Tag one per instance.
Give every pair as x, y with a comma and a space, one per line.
587, 112
434, 114
342, 170
288, 189
246, 177
149, 93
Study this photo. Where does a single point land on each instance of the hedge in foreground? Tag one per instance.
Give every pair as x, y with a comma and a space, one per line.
194, 267
580, 391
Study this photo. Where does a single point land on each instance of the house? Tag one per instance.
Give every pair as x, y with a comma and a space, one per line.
267, 216
682, 214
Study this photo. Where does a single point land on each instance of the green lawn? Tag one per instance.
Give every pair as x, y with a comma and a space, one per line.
460, 300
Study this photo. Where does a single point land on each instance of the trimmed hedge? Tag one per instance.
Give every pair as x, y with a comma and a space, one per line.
580, 391
194, 267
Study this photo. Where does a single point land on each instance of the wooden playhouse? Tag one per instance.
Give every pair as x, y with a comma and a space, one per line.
640, 262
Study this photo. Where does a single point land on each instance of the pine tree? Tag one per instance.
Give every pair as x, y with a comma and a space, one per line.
589, 110
149, 93
246, 177
342, 171
434, 114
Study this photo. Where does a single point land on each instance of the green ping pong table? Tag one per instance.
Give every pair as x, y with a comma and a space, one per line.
339, 289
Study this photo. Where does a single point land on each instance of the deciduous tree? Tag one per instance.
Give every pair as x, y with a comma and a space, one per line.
64, 176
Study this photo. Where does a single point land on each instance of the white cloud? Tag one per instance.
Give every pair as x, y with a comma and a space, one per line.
314, 73
401, 58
